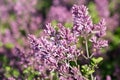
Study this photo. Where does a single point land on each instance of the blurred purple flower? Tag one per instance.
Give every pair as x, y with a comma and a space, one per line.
59, 13
104, 12
102, 7
108, 77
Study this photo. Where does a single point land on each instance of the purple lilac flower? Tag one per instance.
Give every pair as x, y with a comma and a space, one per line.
11, 78
53, 51
16, 16
59, 13
99, 30
104, 12
68, 3
82, 21
108, 77
27, 17
112, 21
24, 7
50, 51
20, 15
5, 9
102, 7
83, 26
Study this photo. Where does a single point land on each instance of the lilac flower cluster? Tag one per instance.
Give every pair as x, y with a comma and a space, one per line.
53, 51
59, 13
27, 17
17, 18
70, 2
100, 8
83, 26
5, 9
104, 12
82, 21
23, 16
19, 15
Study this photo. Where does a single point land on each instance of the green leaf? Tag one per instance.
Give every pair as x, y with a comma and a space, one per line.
90, 72
30, 77
7, 75
54, 22
9, 45
5, 60
85, 68
7, 68
36, 73
25, 71
72, 63
23, 32
97, 60
68, 24
55, 77
15, 73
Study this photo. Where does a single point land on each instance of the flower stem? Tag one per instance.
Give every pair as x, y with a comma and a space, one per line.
92, 78
86, 45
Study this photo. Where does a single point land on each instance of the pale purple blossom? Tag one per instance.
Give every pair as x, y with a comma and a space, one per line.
100, 29
108, 77
59, 13
82, 21
24, 7
84, 27
98, 43
11, 78
103, 8
50, 54
104, 12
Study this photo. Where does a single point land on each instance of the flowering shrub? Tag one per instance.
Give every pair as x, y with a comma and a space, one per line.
57, 53
21, 17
